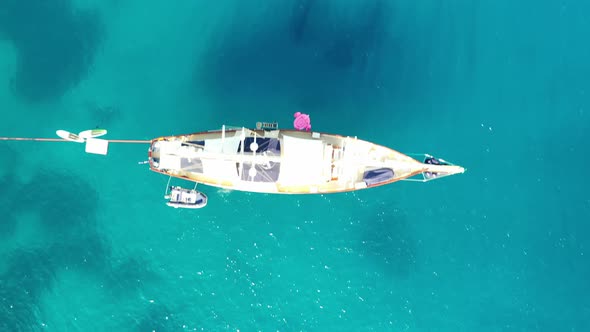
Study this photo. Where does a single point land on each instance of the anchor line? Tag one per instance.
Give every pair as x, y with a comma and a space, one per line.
40, 139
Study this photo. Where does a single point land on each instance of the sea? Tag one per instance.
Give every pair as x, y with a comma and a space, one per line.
501, 88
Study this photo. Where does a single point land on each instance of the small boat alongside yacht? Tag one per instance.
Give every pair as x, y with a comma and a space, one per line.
185, 198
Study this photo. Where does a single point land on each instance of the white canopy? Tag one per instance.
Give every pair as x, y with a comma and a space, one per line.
302, 162
227, 145
169, 154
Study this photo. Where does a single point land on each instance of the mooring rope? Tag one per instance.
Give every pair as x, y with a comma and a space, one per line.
40, 139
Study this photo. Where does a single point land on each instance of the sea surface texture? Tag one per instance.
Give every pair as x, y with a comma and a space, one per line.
499, 87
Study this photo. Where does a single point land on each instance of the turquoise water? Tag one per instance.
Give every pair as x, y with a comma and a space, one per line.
499, 87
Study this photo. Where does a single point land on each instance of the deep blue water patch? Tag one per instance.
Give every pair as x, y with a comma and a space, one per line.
89, 253
387, 240
54, 193
102, 115
9, 159
129, 276
7, 219
303, 51
157, 317
28, 273
56, 45
66, 206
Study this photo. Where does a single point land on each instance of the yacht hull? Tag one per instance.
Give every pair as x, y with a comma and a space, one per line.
284, 161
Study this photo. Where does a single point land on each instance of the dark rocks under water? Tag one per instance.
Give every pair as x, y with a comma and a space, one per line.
300, 51
56, 45
387, 241
73, 242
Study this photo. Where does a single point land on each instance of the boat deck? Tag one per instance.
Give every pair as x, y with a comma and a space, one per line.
280, 161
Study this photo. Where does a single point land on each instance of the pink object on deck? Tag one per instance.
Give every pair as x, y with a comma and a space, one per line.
302, 121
